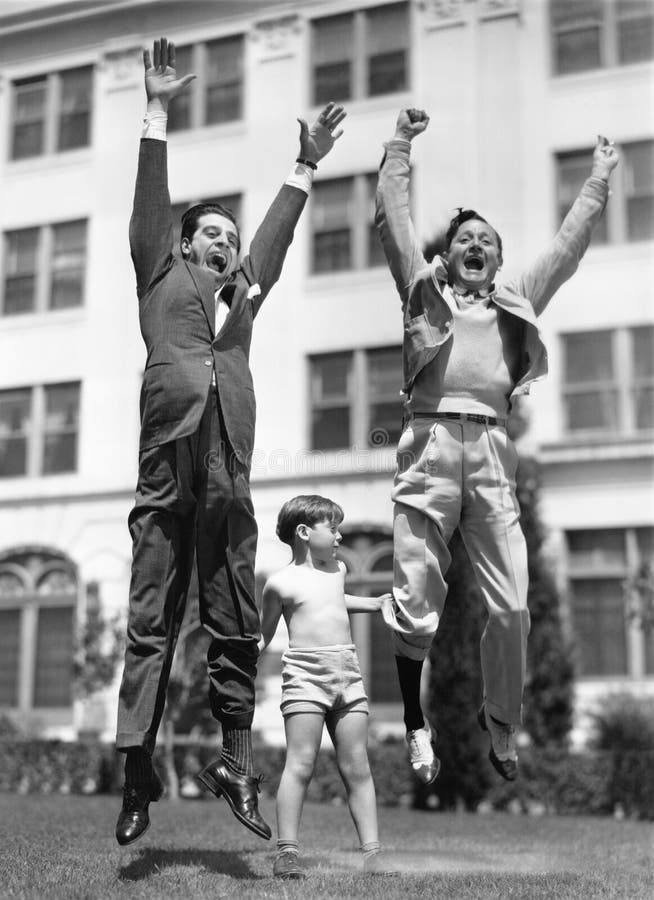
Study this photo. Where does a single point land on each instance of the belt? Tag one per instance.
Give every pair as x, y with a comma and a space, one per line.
460, 417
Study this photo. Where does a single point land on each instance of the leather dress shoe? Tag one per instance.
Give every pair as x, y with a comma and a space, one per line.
134, 820
504, 735
240, 791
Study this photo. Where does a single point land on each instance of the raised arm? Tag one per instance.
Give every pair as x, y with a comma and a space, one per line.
367, 604
561, 259
263, 264
150, 227
392, 215
272, 610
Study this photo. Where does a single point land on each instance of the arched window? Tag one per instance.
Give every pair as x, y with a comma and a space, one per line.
368, 556
38, 601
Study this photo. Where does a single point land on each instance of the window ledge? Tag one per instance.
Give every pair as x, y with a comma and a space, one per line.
378, 103
603, 73
207, 133
598, 448
61, 160
319, 282
326, 464
42, 319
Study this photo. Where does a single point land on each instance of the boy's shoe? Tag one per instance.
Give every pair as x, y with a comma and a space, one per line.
287, 866
424, 761
502, 753
378, 865
133, 820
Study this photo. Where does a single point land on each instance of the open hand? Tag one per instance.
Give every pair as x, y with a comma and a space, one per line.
161, 81
410, 122
316, 141
605, 158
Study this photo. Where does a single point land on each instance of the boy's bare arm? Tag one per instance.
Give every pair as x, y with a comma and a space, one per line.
272, 610
366, 604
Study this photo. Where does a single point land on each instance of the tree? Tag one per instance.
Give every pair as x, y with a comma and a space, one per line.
549, 700
99, 646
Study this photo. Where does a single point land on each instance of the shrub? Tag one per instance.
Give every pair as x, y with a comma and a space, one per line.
624, 735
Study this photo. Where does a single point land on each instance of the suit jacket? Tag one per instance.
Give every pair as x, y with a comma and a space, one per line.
177, 313
428, 318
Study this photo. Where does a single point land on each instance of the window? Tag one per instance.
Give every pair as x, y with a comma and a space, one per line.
591, 34
44, 268
39, 430
38, 599
629, 214
599, 562
216, 96
355, 398
51, 113
608, 381
361, 54
232, 202
343, 233
368, 557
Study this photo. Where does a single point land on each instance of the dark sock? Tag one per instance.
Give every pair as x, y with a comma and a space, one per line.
237, 750
409, 672
138, 766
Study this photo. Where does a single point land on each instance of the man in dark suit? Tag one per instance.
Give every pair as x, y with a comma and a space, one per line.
197, 436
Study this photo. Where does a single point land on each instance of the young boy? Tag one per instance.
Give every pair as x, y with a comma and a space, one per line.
321, 681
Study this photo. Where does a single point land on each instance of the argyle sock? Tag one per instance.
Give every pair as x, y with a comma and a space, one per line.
409, 672
237, 750
138, 766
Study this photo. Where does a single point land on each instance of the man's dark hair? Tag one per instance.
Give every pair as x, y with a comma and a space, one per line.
306, 509
465, 215
193, 214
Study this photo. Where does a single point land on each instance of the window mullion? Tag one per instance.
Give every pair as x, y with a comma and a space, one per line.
52, 107
27, 656
44, 269
358, 390
623, 377
37, 436
359, 63
198, 99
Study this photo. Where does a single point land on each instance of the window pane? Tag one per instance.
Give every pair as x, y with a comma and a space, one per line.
21, 254
61, 425
68, 265
179, 111
599, 626
586, 410
29, 118
577, 34
599, 550
588, 357
15, 407
54, 653
387, 41
635, 30
9, 651
75, 111
572, 170
332, 53
385, 372
330, 429
224, 97
330, 376
331, 216
639, 189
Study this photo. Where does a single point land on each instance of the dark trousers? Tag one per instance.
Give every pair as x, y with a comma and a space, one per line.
192, 495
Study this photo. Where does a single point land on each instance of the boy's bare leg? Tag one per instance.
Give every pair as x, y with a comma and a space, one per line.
349, 733
303, 735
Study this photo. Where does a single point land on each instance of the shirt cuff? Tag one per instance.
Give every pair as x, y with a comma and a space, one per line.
154, 125
301, 177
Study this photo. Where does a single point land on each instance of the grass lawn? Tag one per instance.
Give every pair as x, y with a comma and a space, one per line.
54, 846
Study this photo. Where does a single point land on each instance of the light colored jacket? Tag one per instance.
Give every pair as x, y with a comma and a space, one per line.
428, 316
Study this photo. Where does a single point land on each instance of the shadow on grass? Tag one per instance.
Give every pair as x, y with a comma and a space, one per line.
152, 861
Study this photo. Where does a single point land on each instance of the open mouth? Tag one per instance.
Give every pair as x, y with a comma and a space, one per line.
475, 263
217, 260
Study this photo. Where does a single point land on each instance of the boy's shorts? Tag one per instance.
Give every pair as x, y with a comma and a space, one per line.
322, 679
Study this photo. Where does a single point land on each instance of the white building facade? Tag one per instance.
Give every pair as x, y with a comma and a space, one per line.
517, 91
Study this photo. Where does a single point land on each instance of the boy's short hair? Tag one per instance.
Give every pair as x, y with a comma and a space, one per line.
306, 509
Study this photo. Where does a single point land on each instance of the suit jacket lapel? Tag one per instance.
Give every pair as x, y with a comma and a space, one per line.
205, 287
